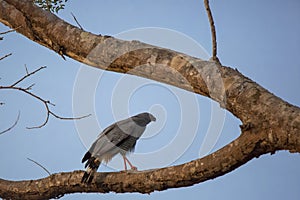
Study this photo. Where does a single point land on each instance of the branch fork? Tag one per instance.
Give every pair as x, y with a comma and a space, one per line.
46, 103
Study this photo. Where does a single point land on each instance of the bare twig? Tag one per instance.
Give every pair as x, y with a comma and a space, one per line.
11, 30
1, 38
45, 102
12, 126
213, 31
39, 165
68, 118
3, 57
26, 69
30, 86
77, 21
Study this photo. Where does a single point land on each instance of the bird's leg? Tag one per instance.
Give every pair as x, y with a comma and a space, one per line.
131, 165
125, 165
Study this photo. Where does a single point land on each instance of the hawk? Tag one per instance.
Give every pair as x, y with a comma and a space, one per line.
119, 137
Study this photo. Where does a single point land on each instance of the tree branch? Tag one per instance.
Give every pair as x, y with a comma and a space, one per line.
45, 102
206, 78
269, 123
216, 164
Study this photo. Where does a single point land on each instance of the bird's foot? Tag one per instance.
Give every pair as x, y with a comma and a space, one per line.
132, 169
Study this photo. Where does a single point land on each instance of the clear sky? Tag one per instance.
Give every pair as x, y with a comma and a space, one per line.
259, 38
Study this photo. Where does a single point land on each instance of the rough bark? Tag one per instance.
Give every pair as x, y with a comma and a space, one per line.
269, 123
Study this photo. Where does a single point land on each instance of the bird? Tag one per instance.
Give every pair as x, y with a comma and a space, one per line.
119, 137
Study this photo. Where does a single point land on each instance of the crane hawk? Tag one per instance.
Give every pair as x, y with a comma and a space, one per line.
119, 137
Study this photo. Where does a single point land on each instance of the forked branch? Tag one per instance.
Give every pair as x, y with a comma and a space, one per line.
46, 103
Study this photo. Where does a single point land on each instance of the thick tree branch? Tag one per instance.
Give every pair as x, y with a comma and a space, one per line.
222, 84
269, 123
221, 162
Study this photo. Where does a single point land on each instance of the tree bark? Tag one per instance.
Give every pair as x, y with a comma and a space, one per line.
269, 123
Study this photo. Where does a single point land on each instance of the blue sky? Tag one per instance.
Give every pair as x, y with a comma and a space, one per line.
259, 38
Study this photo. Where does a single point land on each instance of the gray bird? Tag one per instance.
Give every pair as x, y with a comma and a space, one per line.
119, 137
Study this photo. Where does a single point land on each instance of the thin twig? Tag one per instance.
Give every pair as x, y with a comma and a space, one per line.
11, 30
213, 31
30, 86
68, 118
3, 57
11, 127
39, 165
26, 69
77, 21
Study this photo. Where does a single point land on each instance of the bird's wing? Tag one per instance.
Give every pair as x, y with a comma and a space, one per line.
103, 133
130, 127
114, 135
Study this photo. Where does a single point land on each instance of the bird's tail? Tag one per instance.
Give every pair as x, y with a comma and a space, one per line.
91, 168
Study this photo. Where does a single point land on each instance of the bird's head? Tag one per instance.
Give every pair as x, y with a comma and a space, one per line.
144, 118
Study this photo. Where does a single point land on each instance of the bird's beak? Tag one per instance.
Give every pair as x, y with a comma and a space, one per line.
152, 118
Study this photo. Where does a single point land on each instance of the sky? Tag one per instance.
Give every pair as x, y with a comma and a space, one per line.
259, 38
